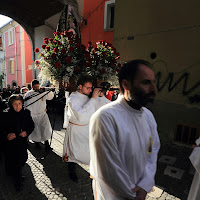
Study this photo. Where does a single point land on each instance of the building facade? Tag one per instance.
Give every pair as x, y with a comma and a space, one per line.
167, 35
98, 21
15, 55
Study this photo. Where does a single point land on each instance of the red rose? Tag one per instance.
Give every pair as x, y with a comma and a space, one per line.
70, 42
55, 42
46, 38
59, 43
68, 59
117, 69
64, 51
103, 71
65, 32
40, 68
56, 33
71, 48
53, 55
44, 46
51, 40
37, 62
55, 50
37, 50
58, 65
47, 48
46, 41
78, 69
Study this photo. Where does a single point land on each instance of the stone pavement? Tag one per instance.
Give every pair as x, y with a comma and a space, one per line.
47, 177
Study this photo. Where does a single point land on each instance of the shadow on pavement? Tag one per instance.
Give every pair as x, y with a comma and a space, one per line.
29, 191
57, 172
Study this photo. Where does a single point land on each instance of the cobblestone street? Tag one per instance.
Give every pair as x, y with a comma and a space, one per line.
47, 177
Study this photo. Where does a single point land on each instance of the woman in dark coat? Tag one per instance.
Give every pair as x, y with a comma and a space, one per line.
19, 126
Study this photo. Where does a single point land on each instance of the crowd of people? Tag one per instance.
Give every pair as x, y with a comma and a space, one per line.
118, 138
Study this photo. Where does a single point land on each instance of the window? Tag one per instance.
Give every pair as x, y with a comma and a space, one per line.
186, 134
11, 66
109, 15
0, 41
10, 37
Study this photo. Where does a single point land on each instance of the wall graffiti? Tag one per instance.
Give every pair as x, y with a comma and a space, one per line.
172, 84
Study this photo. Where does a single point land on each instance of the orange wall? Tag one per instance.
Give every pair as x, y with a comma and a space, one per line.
94, 30
28, 58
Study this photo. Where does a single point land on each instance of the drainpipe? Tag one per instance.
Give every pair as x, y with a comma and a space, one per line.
16, 56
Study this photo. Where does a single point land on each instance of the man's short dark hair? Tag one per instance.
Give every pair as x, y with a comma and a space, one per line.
84, 79
129, 70
34, 82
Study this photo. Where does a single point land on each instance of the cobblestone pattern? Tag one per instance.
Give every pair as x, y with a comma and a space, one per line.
47, 177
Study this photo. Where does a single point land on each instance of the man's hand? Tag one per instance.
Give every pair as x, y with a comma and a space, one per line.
11, 136
140, 193
96, 93
23, 134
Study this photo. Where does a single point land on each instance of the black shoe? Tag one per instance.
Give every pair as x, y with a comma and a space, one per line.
37, 145
47, 146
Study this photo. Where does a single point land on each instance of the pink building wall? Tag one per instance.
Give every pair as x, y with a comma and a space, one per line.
14, 51
28, 58
11, 50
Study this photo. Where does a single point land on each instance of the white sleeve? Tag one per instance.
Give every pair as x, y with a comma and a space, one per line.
49, 96
82, 112
101, 101
105, 157
147, 182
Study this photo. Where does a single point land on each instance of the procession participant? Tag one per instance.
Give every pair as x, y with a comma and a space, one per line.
36, 103
19, 126
23, 91
194, 193
80, 109
123, 138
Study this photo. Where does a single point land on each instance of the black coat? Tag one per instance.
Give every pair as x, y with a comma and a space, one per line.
16, 150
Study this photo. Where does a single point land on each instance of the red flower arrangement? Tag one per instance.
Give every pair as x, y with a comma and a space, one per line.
104, 60
64, 56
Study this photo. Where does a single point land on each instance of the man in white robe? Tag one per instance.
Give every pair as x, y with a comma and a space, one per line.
194, 193
124, 142
36, 103
79, 110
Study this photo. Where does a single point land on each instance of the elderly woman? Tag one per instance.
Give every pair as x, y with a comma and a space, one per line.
19, 126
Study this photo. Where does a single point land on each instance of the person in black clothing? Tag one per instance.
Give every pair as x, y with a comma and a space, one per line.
5, 94
19, 126
3, 106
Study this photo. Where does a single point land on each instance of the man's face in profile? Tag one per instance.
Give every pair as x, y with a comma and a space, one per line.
36, 87
143, 88
86, 88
